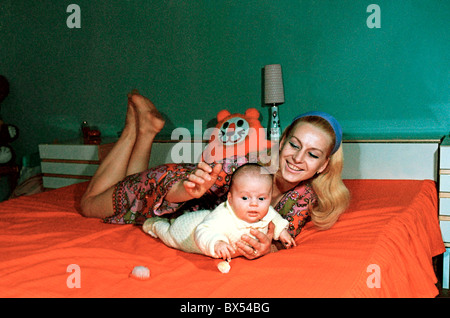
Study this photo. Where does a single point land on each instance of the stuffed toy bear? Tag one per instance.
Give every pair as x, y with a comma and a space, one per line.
8, 133
236, 135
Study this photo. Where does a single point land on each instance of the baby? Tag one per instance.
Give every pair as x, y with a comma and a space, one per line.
215, 233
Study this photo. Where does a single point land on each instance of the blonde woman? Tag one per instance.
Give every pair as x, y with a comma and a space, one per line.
307, 182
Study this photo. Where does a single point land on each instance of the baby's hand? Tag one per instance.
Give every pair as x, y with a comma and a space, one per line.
224, 250
287, 239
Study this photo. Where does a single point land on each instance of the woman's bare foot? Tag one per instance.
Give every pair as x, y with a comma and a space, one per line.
149, 123
149, 120
130, 129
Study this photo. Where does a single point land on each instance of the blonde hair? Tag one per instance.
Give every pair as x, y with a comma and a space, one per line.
333, 196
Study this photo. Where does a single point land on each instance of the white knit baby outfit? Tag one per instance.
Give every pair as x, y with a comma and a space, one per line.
198, 231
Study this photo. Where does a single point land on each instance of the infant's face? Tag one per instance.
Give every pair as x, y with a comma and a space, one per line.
250, 198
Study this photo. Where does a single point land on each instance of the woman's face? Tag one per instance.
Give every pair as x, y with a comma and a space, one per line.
304, 153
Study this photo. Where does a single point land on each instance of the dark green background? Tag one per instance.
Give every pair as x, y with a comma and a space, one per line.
194, 58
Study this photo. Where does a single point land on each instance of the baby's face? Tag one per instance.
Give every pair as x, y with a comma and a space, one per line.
250, 198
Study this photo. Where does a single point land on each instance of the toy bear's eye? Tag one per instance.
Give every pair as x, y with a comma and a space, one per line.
240, 122
225, 125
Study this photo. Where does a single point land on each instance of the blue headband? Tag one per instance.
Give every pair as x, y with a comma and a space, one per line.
333, 123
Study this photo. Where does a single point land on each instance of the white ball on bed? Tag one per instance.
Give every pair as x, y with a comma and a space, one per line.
224, 267
140, 272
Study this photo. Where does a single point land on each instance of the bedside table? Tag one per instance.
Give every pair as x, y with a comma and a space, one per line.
444, 205
70, 162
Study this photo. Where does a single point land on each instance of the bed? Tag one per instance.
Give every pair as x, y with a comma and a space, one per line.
381, 247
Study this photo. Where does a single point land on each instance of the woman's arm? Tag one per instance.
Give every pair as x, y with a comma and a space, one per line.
196, 185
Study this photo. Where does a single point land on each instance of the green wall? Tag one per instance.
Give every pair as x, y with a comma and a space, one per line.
194, 58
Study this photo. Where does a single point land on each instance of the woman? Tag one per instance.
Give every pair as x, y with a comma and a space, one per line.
307, 183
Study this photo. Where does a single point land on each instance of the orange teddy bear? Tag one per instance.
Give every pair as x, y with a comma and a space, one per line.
236, 135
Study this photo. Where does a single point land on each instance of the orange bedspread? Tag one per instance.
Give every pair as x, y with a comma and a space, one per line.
390, 229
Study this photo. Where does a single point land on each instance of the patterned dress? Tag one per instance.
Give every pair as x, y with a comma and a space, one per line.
141, 195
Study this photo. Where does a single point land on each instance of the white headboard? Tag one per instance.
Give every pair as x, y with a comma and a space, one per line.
407, 159
415, 159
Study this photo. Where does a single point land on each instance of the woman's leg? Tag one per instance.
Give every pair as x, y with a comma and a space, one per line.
129, 155
149, 124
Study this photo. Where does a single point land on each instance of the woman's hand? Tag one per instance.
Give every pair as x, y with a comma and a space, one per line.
201, 179
198, 182
253, 248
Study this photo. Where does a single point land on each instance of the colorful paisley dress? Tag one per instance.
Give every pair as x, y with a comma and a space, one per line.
141, 195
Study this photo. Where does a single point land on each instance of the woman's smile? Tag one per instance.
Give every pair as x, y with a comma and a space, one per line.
293, 167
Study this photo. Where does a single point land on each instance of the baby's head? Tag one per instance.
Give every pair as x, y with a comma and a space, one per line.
250, 192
